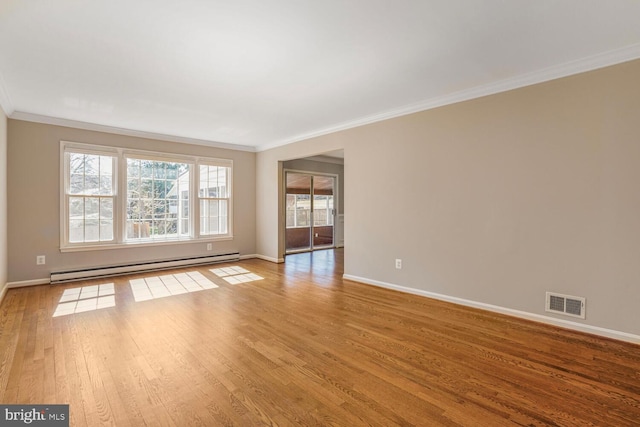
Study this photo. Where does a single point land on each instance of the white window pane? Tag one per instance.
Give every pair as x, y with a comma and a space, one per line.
213, 217
133, 230
146, 168
172, 173
145, 188
213, 225
222, 182
204, 181
76, 163
106, 165
158, 170
91, 207
133, 168
92, 165
76, 183
106, 185
76, 207
106, 208
222, 208
91, 184
91, 230
223, 224
106, 230
76, 230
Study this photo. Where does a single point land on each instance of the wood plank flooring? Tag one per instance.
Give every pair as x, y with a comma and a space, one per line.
299, 346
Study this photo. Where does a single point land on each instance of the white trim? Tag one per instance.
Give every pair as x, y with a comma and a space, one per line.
248, 256
25, 283
270, 259
595, 330
107, 246
37, 118
3, 292
339, 225
5, 101
594, 62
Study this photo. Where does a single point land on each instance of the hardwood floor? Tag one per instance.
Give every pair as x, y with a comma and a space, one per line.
299, 346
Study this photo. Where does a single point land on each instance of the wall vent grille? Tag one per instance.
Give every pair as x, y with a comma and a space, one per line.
566, 304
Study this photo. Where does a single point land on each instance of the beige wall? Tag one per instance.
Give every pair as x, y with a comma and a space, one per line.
3, 202
496, 200
34, 201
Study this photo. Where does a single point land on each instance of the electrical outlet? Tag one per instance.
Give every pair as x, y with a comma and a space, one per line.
398, 263
40, 260
209, 246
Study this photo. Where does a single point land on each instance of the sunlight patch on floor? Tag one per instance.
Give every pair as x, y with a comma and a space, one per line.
86, 298
168, 285
234, 275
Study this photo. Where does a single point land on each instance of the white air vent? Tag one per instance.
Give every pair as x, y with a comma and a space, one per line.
565, 304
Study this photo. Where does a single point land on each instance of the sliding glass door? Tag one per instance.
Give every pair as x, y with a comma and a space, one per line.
309, 211
298, 223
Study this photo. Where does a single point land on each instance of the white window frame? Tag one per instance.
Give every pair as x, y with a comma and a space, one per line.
64, 192
223, 164
154, 158
120, 197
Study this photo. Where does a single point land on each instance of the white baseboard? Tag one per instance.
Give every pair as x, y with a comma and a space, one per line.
3, 292
270, 259
25, 283
249, 256
595, 330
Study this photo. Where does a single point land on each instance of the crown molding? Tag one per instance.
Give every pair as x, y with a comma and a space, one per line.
594, 62
37, 118
601, 60
5, 100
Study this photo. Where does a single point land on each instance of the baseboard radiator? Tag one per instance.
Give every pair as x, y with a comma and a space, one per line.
115, 270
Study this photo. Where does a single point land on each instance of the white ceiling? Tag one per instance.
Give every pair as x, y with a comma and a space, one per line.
258, 73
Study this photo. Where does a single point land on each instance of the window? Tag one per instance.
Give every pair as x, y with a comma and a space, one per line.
214, 199
89, 192
157, 200
322, 210
298, 210
114, 196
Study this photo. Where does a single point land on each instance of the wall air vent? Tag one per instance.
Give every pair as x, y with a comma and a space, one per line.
566, 304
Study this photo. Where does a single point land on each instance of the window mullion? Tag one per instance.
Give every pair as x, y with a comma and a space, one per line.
120, 199
194, 201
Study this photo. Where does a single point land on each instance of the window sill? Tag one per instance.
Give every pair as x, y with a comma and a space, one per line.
131, 245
